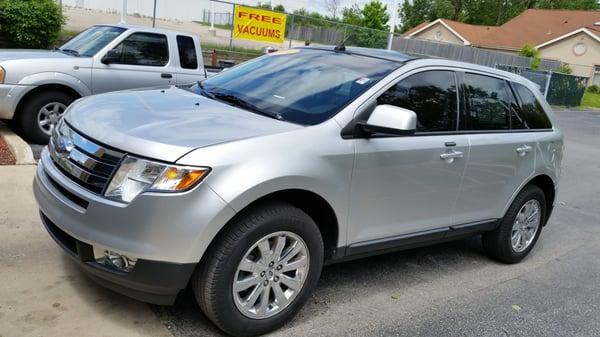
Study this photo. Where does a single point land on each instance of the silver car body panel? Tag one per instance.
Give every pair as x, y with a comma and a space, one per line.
167, 123
378, 188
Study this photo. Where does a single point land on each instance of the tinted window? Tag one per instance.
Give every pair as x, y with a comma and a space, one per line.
144, 49
532, 111
187, 52
431, 95
304, 86
489, 103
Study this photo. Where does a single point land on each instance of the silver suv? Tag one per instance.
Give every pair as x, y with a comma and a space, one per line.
245, 184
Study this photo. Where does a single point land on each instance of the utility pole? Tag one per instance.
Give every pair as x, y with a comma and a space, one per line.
394, 20
124, 12
154, 15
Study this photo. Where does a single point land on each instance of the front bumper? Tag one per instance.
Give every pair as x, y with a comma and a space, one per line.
10, 95
150, 281
165, 232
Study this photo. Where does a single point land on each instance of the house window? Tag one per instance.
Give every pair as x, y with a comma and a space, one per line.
579, 49
596, 80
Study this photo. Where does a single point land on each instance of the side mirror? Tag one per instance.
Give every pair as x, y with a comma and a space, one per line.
390, 120
112, 56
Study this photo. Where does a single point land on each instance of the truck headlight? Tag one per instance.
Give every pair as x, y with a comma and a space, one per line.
2, 75
136, 175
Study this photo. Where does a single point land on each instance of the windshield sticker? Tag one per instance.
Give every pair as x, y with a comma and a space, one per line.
363, 80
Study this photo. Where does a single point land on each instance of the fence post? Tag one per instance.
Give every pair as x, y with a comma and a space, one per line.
548, 80
291, 30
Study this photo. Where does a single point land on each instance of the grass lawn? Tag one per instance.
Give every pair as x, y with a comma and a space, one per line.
590, 100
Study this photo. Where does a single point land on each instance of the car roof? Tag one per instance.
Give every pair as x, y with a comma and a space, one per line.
390, 55
396, 56
146, 28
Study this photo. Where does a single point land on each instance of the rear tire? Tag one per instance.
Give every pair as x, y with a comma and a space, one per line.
247, 239
48, 106
514, 238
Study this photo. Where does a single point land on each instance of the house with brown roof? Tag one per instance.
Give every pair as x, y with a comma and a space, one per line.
572, 37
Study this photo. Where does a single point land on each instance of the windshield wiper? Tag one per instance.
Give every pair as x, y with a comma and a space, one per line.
72, 52
205, 92
240, 102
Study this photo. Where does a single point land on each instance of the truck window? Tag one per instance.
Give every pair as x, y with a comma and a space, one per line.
531, 109
144, 49
187, 52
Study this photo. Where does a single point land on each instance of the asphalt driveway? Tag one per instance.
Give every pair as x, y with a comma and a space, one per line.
451, 289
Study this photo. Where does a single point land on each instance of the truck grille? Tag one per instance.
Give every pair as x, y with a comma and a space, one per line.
87, 163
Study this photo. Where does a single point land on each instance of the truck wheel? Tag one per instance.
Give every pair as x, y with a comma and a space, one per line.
259, 273
41, 113
520, 228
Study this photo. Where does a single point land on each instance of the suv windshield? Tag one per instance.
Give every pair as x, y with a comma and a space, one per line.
90, 41
303, 86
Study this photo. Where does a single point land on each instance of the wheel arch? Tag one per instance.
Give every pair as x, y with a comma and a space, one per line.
309, 202
43, 88
545, 183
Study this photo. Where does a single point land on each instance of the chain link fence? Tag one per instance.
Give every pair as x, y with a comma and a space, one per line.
559, 89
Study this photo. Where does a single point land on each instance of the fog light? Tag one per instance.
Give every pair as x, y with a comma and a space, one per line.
114, 260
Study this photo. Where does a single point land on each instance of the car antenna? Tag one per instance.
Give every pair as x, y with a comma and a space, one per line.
341, 47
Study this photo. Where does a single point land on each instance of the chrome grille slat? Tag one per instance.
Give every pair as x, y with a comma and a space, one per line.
96, 150
88, 164
91, 164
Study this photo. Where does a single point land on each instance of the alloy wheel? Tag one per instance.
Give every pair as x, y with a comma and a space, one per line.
270, 275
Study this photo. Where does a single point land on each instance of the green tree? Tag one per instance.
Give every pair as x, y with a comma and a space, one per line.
279, 8
371, 20
31, 23
375, 15
480, 12
264, 5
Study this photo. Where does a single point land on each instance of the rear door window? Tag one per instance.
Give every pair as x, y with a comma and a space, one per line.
489, 103
187, 52
531, 109
431, 95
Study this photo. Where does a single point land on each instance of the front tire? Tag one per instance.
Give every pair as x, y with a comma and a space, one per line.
520, 228
259, 273
41, 113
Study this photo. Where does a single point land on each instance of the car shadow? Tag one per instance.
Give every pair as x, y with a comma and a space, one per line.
393, 272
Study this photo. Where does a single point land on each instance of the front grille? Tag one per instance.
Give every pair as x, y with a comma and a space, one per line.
87, 163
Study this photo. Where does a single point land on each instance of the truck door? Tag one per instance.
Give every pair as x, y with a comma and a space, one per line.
140, 60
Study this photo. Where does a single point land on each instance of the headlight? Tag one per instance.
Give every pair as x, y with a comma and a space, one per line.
2, 75
136, 175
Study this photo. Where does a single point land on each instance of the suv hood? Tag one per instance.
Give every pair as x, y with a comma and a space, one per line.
28, 54
165, 124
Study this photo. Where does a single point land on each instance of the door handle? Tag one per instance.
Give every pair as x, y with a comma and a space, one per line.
451, 155
523, 150
166, 76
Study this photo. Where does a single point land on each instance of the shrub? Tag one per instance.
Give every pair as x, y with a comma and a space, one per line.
531, 51
31, 23
564, 68
594, 89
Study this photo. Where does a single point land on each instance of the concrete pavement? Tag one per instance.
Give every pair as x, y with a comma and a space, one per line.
42, 292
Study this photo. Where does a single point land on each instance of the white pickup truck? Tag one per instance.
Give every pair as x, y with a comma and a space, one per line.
36, 86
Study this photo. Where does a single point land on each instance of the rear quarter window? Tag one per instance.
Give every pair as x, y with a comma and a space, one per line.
187, 52
531, 109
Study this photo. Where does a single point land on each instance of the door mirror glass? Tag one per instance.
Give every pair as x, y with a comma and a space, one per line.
113, 56
390, 120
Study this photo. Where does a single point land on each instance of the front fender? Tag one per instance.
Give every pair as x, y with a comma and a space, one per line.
56, 78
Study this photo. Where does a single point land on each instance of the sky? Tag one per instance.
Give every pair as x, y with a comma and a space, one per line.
187, 10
